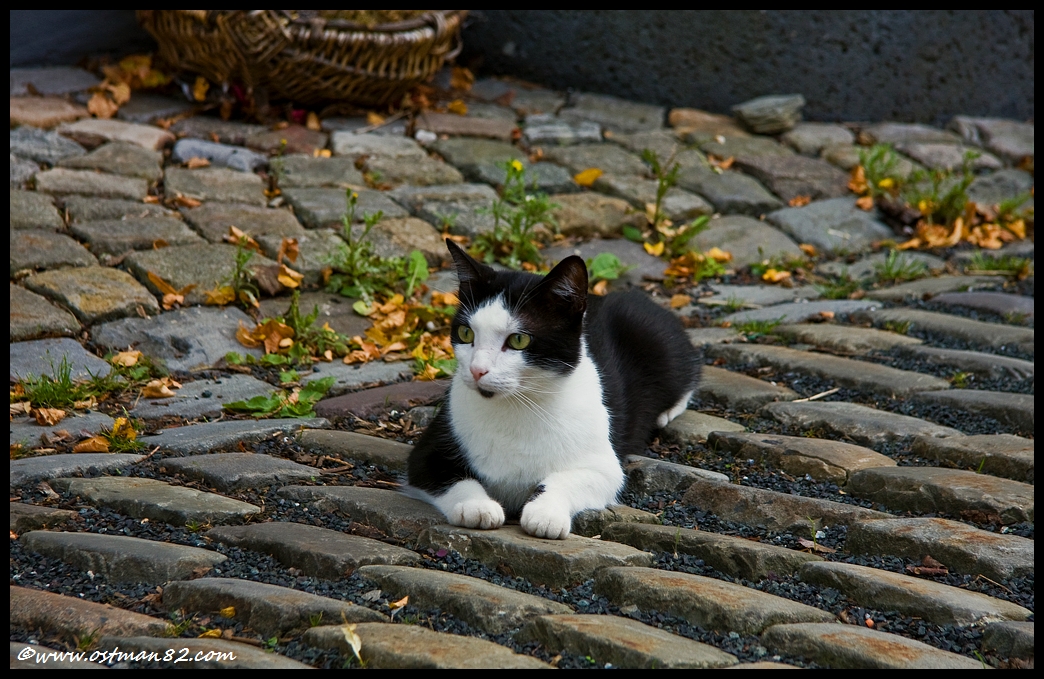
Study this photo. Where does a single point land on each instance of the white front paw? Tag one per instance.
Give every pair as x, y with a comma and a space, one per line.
545, 520
477, 513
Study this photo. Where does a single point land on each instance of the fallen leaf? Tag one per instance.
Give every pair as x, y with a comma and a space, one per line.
95, 444
799, 201
312, 122
655, 250
352, 638
930, 562
86, 404
815, 546
718, 255
288, 277
600, 288
587, 177
774, 276
396, 605
809, 249
101, 106
185, 201
196, 162
857, 182
457, 106
288, 248
157, 389
461, 78
374, 118
211, 634
678, 301
239, 237
220, 296
20, 409
886, 183
229, 612
826, 314
320, 153
925, 571
48, 416
199, 89
865, 203
870, 623
152, 200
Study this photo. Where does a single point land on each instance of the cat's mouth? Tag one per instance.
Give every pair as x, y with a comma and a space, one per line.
485, 393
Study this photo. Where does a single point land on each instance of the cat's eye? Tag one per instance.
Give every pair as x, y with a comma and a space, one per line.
466, 334
519, 341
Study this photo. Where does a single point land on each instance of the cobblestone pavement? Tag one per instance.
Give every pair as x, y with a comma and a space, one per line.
853, 490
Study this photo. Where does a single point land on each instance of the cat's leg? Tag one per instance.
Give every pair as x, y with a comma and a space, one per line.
679, 408
561, 495
467, 504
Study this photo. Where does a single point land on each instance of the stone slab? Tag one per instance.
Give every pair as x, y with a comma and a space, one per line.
737, 391
872, 266
95, 131
844, 338
609, 158
212, 221
994, 335
32, 250
483, 605
897, 133
124, 559
315, 250
834, 225
1002, 455
811, 138
543, 128
94, 293
147, 108
749, 241
591, 522
289, 139
25, 517
864, 425
822, 459
756, 296
960, 547
22, 171
399, 236
649, 475
86, 209
949, 157
234, 471
1012, 410
931, 601
49, 80
704, 125
326, 208
205, 265
347, 444
336, 311
355, 145
214, 129
219, 155
213, 654
315, 551
204, 438
454, 125
771, 509
847, 372
732, 555
419, 171
31, 210
470, 155
622, 643
677, 204
993, 189
770, 114
692, 427
707, 602
994, 302
1009, 639
44, 357
158, 501
413, 197
217, 184
27, 433
613, 113
400, 517
33, 317
416, 647
270, 610
187, 339
556, 563
590, 214
790, 177
117, 236
121, 158
201, 398
851, 647
1012, 139
42, 146
300, 170
61, 181
662, 142
701, 337
371, 402
44, 112
36, 609
748, 147
356, 376
929, 287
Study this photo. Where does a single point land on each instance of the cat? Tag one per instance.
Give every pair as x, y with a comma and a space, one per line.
552, 390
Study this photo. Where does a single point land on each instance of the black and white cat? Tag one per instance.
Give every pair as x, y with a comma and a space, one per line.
552, 390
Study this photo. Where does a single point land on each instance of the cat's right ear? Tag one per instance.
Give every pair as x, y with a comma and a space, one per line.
468, 270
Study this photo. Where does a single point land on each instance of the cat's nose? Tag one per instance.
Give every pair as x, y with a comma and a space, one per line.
477, 373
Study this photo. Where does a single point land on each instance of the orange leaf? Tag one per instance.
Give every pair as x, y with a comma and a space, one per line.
246, 337
718, 255
312, 122
237, 237
587, 177
199, 89
461, 78
157, 389
865, 203
774, 276
288, 248
374, 118
162, 285
95, 444
196, 162
799, 201
678, 301
429, 373
600, 287
288, 277
220, 296
48, 416
127, 358
458, 106
185, 201
171, 299
809, 249
101, 106
857, 183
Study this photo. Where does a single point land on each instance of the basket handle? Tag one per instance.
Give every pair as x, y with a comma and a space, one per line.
437, 20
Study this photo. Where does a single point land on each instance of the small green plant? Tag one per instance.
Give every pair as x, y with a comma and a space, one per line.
311, 339
193, 526
841, 287
779, 263
85, 641
733, 304
880, 165
666, 176
123, 436
960, 380
606, 266
1020, 267
757, 328
447, 222
516, 215
898, 327
941, 195
1016, 317
178, 625
297, 403
315, 619
813, 528
982, 465
899, 267
242, 279
57, 390
359, 271
271, 643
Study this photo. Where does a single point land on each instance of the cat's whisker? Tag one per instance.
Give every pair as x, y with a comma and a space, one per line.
535, 408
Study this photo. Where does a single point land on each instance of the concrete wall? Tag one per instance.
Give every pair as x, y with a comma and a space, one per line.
923, 65
850, 65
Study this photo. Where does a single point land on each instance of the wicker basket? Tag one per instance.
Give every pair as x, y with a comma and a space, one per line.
303, 57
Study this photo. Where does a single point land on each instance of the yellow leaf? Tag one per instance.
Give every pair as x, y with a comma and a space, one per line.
374, 118
199, 90
461, 78
396, 605
655, 250
429, 373
157, 389
288, 248
312, 122
48, 416
122, 428
857, 183
288, 277
866, 203
21, 409
587, 177
95, 444
211, 634
774, 276
886, 183
229, 612
127, 358
718, 255
352, 638
799, 201
196, 162
101, 106
458, 106
809, 249
600, 287
678, 301
246, 337
1018, 227
220, 296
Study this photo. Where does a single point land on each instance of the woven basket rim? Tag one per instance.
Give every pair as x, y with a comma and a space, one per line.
345, 25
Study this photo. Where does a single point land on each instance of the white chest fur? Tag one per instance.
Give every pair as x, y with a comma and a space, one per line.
513, 442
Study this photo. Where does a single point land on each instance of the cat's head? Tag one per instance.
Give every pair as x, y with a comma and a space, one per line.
515, 331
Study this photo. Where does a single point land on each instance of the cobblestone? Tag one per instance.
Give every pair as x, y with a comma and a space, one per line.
218, 184
61, 181
33, 609
120, 157
117, 236
204, 438
862, 424
232, 471
749, 241
1013, 410
996, 454
95, 131
43, 146
398, 516
648, 475
369, 449
34, 250
95, 294
33, 317
212, 221
207, 266
821, 459
845, 339
834, 225
739, 392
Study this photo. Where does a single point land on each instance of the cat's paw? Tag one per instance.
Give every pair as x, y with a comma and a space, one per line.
477, 513
546, 520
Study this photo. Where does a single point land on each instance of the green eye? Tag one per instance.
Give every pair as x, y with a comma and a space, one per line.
466, 334
519, 341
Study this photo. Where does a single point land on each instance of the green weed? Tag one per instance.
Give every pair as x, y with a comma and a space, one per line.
297, 403
733, 304
516, 215
242, 279
754, 328
840, 288
899, 327
1020, 267
606, 266
666, 175
941, 195
1016, 317
961, 380
899, 267
879, 164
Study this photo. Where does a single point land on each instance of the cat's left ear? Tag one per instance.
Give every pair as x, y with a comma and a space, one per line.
567, 283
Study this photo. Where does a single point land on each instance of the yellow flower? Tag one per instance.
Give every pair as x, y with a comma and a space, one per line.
516, 165
886, 183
